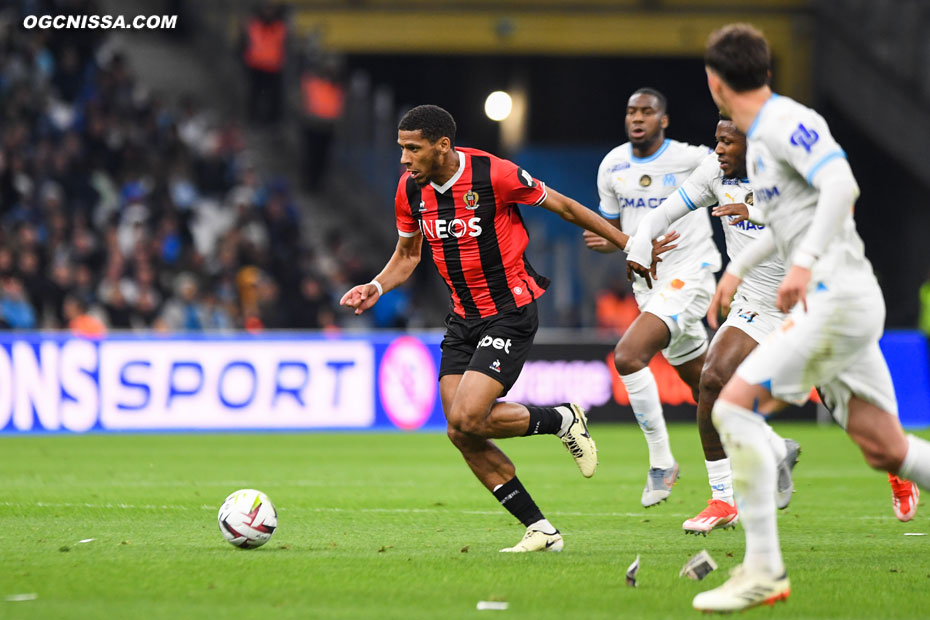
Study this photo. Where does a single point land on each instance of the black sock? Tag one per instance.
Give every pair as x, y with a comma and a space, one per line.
514, 498
543, 421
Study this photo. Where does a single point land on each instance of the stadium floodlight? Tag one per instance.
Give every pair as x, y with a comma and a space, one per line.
498, 105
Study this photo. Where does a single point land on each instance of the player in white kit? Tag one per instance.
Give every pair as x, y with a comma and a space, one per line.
720, 181
806, 190
632, 180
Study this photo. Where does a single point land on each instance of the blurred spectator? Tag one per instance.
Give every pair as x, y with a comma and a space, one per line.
616, 307
15, 311
314, 307
34, 284
264, 49
270, 312
79, 321
184, 312
323, 93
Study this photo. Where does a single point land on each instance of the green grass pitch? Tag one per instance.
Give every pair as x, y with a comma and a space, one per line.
395, 526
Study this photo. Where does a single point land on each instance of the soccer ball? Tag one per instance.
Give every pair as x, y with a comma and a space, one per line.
247, 519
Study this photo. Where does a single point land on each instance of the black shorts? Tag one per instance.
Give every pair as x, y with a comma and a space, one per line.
496, 346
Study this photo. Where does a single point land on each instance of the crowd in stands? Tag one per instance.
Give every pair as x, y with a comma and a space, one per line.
120, 210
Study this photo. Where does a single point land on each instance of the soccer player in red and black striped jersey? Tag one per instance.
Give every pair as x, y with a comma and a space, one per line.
464, 201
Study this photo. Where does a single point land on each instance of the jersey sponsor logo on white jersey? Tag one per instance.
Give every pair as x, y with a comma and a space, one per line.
643, 203
766, 193
747, 225
804, 137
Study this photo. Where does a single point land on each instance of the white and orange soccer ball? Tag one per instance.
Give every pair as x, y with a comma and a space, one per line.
247, 519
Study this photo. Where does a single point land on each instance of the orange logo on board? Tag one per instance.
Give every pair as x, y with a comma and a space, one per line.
677, 284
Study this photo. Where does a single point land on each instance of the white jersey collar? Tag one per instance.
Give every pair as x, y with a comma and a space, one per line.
755, 121
455, 177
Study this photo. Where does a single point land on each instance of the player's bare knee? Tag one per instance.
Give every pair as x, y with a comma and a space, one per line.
453, 433
466, 420
626, 362
712, 382
459, 439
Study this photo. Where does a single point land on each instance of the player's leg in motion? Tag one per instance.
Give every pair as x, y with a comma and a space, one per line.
905, 494
728, 349
738, 417
885, 446
761, 578
474, 418
647, 336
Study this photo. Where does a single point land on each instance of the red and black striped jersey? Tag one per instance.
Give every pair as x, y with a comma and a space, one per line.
475, 232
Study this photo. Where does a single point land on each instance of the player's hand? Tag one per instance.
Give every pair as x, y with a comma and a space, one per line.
598, 243
738, 210
793, 289
361, 297
723, 297
647, 273
660, 245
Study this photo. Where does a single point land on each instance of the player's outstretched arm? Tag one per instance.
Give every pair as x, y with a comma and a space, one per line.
598, 243
402, 263
573, 211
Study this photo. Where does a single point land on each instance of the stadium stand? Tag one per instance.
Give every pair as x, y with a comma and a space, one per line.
119, 206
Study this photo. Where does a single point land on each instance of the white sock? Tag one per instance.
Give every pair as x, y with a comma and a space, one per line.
568, 417
747, 445
777, 442
644, 398
916, 465
543, 526
721, 480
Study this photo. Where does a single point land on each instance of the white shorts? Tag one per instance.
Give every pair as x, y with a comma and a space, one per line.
757, 319
681, 302
834, 346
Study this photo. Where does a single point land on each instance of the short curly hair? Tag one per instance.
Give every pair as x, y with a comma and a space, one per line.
661, 99
740, 55
434, 122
